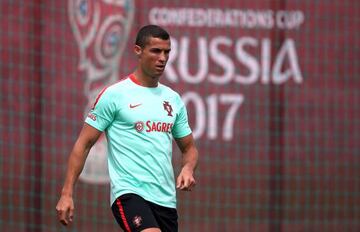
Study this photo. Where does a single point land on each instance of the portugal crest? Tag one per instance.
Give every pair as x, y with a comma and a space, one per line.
168, 108
137, 221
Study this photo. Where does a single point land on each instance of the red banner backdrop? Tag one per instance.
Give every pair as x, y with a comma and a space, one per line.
271, 87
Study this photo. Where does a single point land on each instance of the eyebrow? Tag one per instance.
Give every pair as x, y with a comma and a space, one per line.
159, 49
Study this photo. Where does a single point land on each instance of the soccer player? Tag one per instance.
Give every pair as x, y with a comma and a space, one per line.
140, 117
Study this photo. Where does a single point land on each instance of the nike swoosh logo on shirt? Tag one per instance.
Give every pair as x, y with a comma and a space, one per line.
133, 106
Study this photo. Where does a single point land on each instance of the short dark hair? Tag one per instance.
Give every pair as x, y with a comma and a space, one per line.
150, 31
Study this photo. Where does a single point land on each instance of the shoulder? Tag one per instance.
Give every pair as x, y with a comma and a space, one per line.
169, 91
116, 88
111, 92
119, 85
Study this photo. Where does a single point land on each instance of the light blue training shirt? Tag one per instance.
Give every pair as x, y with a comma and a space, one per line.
140, 123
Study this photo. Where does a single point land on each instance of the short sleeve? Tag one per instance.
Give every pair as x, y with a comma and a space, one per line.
181, 126
103, 112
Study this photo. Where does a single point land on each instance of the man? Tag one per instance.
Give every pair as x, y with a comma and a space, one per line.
139, 116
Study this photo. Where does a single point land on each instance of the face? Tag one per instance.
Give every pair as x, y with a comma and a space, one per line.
154, 56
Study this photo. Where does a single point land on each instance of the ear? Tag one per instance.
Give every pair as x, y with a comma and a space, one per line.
137, 50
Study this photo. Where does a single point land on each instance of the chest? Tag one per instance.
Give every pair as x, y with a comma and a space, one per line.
150, 108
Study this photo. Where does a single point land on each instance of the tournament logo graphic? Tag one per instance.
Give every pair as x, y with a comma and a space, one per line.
101, 29
168, 108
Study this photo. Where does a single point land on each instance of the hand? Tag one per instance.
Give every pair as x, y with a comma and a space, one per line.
65, 210
185, 180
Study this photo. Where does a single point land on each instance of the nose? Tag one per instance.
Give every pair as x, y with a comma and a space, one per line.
163, 57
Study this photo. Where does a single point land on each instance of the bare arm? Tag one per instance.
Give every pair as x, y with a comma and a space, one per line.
186, 180
87, 138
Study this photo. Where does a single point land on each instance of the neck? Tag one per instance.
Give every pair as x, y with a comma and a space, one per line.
146, 80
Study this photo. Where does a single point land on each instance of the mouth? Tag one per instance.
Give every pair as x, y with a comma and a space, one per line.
160, 67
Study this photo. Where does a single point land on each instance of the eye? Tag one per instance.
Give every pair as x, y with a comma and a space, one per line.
155, 50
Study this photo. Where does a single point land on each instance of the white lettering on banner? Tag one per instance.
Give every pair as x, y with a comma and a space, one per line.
226, 59
217, 17
222, 60
184, 61
248, 60
259, 70
288, 49
289, 19
206, 116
